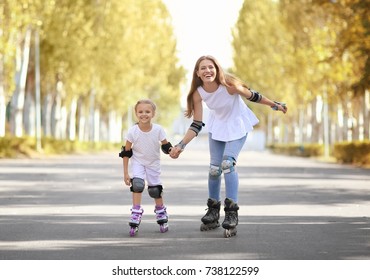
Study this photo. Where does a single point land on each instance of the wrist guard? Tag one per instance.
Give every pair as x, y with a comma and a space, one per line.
196, 126
166, 148
125, 153
276, 107
181, 145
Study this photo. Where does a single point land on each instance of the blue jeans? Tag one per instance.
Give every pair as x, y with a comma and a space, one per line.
218, 151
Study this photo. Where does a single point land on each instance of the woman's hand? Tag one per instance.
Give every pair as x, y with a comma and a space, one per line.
280, 106
175, 152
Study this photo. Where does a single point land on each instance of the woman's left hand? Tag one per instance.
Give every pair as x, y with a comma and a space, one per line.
279, 106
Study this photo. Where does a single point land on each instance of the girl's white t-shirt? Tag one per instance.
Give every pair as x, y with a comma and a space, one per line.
146, 145
230, 118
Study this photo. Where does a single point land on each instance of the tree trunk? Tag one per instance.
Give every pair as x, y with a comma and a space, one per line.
46, 114
367, 115
317, 120
81, 121
72, 120
56, 116
17, 102
29, 114
2, 99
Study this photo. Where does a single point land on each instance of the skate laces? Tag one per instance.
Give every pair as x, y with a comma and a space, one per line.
211, 211
160, 213
231, 215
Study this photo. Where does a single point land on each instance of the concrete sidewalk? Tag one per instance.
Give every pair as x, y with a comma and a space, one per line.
76, 207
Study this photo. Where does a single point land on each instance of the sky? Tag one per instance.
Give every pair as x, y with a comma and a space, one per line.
203, 27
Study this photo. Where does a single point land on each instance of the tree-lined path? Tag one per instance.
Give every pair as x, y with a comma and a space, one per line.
76, 207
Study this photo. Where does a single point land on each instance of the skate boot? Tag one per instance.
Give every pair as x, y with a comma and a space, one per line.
231, 218
136, 214
162, 218
210, 219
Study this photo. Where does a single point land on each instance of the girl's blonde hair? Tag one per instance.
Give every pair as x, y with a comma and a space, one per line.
146, 101
222, 78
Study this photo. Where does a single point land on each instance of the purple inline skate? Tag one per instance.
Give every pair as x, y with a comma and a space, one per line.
162, 218
136, 214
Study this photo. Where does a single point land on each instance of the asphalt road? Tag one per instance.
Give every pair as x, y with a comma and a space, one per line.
76, 207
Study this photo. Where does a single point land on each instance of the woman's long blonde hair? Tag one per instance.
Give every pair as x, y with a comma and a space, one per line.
222, 78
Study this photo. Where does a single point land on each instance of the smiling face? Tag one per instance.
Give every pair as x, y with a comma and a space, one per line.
144, 113
207, 71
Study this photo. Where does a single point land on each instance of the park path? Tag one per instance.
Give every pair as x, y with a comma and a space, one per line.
76, 207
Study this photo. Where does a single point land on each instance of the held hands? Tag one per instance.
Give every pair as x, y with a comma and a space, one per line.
279, 106
175, 152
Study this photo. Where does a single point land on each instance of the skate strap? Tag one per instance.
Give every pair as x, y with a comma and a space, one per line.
138, 211
160, 211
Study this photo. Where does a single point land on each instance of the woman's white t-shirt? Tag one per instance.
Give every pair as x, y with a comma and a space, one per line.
230, 118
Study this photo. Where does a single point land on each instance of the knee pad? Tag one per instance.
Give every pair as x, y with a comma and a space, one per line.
228, 164
137, 185
155, 191
214, 171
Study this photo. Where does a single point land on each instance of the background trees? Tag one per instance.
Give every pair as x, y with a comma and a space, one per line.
314, 54
97, 58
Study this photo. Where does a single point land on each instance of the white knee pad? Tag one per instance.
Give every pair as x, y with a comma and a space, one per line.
138, 185
215, 170
228, 164
155, 191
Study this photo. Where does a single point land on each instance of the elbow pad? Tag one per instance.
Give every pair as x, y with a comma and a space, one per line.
196, 126
255, 97
125, 153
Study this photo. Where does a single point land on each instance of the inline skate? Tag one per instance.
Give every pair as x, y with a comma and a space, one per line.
210, 219
136, 214
162, 218
231, 218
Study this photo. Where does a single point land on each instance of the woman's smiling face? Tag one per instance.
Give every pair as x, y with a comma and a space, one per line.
207, 71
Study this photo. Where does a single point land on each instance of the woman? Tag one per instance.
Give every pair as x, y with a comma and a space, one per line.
230, 121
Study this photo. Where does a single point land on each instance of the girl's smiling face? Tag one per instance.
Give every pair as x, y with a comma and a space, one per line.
144, 113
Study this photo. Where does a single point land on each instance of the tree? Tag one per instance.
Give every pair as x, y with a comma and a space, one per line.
97, 59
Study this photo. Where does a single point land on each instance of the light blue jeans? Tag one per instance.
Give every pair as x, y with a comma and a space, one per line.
218, 151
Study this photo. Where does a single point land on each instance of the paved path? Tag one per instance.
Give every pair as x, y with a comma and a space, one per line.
76, 207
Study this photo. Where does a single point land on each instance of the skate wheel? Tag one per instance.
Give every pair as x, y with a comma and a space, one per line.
206, 227
203, 227
230, 232
133, 231
163, 227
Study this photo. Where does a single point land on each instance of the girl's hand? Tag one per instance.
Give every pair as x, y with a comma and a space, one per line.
127, 180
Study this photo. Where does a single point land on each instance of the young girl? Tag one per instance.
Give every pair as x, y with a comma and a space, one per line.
143, 149
229, 123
